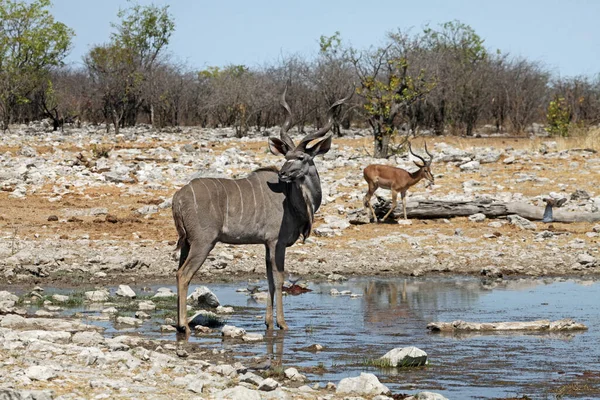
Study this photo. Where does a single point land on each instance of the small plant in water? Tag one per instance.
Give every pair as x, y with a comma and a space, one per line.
377, 362
75, 299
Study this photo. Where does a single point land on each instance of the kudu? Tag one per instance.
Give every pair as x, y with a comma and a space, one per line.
271, 207
397, 180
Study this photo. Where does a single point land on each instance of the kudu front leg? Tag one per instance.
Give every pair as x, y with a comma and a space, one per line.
270, 260
279, 275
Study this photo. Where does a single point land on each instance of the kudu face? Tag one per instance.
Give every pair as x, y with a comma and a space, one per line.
299, 161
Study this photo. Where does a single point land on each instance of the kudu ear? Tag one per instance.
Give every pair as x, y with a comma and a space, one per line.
278, 147
321, 147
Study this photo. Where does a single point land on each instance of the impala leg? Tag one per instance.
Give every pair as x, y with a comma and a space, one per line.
367, 200
270, 260
193, 257
279, 262
393, 206
403, 195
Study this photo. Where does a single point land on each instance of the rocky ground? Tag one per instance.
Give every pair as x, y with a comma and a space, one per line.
67, 211
88, 209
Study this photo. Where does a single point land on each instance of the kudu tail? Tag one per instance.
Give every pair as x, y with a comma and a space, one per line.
178, 219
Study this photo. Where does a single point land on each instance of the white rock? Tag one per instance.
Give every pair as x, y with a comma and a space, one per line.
406, 357
252, 337
225, 310
129, 321
89, 338
521, 222
60, 298
142, 315
237, 393
195, 386
97, 296
364, 385
427, 396
252, 378
40, 373
125, 291
479, 217
470, 166
146, 305
164, 293
268, 385
224, 370
294, 375
585, 258
232, 331
7, 296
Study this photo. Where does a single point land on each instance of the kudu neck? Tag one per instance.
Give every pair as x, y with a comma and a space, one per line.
311, 184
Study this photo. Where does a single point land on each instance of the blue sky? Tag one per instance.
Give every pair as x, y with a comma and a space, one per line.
563, 35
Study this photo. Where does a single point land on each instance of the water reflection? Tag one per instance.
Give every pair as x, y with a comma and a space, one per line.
275, 345
390, 303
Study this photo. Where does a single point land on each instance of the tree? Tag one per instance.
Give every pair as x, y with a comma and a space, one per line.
462, 72
116, 79
332, 75
31, 43
145, 31
389, 86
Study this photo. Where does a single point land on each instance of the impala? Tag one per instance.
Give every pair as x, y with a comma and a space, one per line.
397, 180
270, 207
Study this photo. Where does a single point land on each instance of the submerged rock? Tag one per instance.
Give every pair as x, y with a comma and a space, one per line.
406, 357
125, 291
204, 297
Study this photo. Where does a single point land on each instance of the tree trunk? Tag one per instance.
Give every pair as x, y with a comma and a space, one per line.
381, 143
449, 209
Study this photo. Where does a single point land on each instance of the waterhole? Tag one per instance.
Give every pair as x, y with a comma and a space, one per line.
387, 313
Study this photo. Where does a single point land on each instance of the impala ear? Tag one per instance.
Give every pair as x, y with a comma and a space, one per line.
321, 147
278, 147
419, 165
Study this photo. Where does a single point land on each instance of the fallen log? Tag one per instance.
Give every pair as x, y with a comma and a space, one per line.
561, 325
427, 209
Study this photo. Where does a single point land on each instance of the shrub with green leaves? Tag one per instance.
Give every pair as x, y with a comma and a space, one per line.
558, 117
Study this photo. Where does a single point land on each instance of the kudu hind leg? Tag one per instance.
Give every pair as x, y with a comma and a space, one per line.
196, 254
